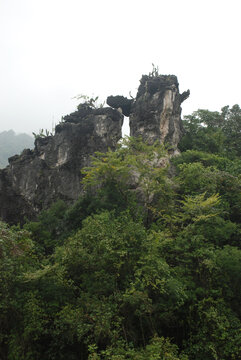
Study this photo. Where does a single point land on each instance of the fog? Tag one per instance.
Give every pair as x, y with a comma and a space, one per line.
53, 50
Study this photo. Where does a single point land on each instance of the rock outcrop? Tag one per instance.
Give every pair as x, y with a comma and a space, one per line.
155, 113
37, 178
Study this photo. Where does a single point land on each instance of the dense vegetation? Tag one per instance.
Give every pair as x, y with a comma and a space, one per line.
146, 265
12, 144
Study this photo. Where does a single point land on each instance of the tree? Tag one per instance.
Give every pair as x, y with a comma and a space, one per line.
16, 256
136, 173
214, 132
232, 129
145, 265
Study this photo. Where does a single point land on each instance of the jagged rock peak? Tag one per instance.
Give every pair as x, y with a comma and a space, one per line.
35, 179
52, 171
155, 113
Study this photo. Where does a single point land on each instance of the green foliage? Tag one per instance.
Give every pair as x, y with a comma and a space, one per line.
202, 132
194, 178
134, 171
216, 334
158, 349
214, 132
48, 231
16, 256
229, 262
154, 72
206, 159
120, 281
42, 134
88, 102
232, 129
145, 265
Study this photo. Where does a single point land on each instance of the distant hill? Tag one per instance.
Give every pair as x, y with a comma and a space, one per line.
12, 144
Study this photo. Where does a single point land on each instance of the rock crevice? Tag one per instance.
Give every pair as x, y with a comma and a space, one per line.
155, 113
35, 179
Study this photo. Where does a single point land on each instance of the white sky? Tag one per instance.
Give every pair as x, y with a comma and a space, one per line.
53, 50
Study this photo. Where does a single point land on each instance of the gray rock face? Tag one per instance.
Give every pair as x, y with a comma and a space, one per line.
155, 113
37, 178
120, 102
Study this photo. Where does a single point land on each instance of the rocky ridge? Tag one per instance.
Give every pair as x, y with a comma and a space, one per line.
35, 179
39, 177
155, 113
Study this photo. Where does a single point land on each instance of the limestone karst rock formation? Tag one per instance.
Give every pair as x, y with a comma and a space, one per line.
155, 113
39, 177
51, 171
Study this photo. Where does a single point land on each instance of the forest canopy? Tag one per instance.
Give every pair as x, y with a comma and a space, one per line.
145, 265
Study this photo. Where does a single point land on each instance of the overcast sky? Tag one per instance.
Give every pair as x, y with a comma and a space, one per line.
53, 50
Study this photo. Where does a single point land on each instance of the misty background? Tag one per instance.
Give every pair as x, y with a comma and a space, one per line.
53, 50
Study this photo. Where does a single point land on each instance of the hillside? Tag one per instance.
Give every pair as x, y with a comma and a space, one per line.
147, 269
51, 171
12, 144
146, 263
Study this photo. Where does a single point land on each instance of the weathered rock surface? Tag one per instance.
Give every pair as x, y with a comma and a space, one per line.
155, 113
37, 178
120, 102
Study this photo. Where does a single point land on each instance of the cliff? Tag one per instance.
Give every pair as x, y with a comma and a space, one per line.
155, 113
37, 178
